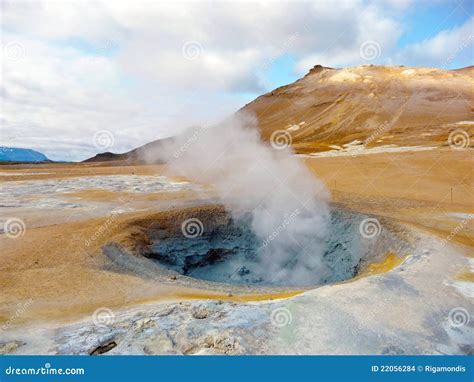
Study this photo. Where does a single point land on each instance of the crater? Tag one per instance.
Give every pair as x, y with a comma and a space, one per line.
207, 243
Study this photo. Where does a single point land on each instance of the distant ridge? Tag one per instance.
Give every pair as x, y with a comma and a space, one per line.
468, 70
148, 153
13, 154
369, 105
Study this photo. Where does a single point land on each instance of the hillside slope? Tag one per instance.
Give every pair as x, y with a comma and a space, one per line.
375, 105
367, 105
146, 153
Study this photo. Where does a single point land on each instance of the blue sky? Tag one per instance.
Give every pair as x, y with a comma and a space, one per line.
422, 21
143, 70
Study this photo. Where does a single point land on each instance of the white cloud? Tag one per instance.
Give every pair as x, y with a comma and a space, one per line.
235, 37
61, 95
371, 27
448, 46
119, 65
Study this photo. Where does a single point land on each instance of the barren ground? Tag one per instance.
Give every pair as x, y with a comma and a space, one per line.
67, 278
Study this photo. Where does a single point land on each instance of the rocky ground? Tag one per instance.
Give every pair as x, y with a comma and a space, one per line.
59, 284
390, 313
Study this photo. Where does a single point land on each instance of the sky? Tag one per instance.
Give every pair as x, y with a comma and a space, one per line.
79, 77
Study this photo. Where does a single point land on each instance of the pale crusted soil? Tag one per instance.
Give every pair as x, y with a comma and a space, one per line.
66, 278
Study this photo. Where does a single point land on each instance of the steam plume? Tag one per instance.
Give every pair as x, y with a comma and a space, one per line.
287, 203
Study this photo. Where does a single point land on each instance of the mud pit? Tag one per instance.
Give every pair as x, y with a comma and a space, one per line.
402, 307
221, 249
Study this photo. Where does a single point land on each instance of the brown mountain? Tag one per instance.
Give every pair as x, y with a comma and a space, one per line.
375, 105
366, 105
138, 155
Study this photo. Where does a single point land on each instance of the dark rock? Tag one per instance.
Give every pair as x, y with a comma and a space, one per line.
104, 348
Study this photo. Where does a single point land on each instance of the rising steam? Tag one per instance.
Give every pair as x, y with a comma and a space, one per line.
287, 204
